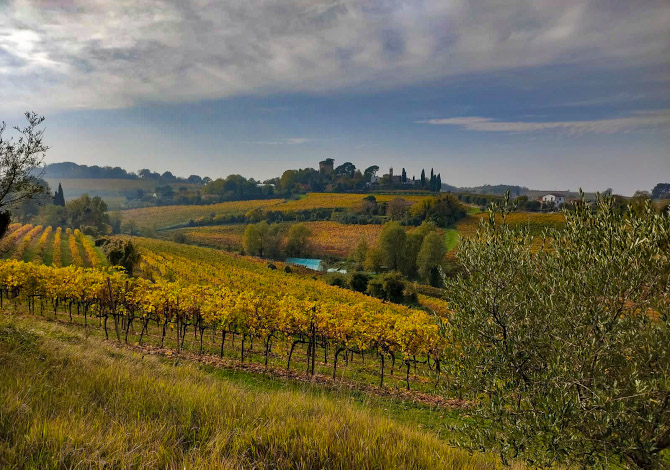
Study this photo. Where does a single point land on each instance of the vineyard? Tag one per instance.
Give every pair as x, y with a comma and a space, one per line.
44, 245
213, 294
328, 238
170, 216
337, 201
338, 240
535, 221
72, 400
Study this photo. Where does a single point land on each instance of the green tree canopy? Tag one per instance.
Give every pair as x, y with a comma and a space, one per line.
298, 240
261, 239
565, 351
392, 245
431, 257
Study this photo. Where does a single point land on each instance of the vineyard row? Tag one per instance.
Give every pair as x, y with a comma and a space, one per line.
111, 295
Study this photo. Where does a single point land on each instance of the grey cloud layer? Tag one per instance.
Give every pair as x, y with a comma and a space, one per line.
640, 120
66, 54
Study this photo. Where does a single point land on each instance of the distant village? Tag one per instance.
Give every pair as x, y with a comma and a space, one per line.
390, 179
432, 183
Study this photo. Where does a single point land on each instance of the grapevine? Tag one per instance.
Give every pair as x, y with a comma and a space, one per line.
74, 249
41, 247
231, 298
57, 259
27, 239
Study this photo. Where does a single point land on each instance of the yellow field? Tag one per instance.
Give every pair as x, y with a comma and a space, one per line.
338, 240
439, 306
168, 216
226, 237
328, 238
336, 201
536, 221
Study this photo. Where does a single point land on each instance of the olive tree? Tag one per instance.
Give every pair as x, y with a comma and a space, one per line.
562, 343
18, 160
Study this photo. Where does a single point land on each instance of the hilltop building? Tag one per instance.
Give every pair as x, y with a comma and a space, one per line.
327, 166
394, 178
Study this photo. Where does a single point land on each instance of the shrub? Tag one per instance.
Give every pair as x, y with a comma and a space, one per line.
90, 230
394, 287
359, 282
336, 279
376, 288
122, 252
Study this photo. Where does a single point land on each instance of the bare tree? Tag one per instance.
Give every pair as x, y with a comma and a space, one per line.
18, 160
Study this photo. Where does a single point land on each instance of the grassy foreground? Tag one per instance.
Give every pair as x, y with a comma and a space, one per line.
68, 400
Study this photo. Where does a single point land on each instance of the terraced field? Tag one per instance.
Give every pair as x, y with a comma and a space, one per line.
50, 246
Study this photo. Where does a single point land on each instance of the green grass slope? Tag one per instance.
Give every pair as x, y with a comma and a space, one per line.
68, 400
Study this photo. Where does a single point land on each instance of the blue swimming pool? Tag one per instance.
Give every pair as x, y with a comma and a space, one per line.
310, 263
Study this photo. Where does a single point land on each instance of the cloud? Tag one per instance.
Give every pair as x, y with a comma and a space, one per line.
100, 54
287, 141
637, 121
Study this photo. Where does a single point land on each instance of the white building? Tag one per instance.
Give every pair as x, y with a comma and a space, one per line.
556, 199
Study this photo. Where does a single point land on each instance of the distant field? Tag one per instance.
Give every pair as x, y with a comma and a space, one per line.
536, 221
168, 216
338, 200
112, 190
328, 238
225, 237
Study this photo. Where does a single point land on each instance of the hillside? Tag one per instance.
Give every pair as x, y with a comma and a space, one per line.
49, 246
115, 191
69, 399
328, 238
171, 216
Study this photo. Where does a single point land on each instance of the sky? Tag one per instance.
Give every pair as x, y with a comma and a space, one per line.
540, 93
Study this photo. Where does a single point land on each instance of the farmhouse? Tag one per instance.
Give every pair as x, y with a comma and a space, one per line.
557, 199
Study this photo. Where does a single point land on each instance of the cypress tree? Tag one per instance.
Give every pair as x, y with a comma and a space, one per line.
59, 197
439, 183
423, 178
